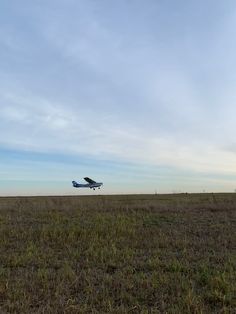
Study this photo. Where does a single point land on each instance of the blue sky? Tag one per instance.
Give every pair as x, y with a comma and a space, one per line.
137, 94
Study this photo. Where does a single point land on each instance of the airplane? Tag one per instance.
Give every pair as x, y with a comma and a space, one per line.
91, 184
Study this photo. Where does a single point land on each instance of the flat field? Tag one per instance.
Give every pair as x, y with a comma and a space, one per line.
118, 254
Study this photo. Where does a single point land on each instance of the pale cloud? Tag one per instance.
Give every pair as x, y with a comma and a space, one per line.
38, 125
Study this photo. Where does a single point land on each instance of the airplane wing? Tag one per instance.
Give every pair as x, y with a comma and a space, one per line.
89, 180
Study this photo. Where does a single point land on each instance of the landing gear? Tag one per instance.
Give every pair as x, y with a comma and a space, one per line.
94, 189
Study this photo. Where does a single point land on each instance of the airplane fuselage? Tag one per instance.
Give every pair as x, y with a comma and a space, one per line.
87, 185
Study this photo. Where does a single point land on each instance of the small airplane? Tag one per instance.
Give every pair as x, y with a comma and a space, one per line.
91, 184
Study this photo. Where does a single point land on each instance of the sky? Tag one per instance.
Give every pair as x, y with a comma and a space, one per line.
137, 94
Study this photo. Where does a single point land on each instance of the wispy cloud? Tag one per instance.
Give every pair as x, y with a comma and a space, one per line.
38, 125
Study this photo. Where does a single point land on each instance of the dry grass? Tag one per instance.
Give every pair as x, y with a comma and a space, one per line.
118, 254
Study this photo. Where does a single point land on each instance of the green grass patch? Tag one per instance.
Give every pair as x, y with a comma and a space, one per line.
118, 254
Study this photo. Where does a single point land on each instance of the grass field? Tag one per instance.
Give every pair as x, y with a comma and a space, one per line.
118, 254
